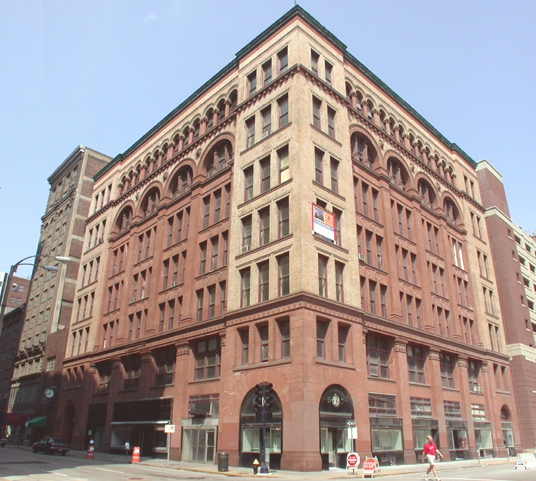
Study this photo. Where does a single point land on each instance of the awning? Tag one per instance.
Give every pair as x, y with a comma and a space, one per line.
15, 419
38, 422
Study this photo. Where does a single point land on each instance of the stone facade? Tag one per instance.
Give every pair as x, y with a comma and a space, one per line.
514, 256
293, 222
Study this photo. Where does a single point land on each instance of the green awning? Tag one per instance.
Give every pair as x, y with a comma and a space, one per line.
38, 422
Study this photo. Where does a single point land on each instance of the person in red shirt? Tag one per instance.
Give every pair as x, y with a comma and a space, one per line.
428, 454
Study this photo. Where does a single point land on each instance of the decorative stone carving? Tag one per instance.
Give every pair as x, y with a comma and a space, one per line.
183, 350
433, 355
400, 346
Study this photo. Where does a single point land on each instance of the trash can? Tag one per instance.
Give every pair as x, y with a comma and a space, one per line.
223, 462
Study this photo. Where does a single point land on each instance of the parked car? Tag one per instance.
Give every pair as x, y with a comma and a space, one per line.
51, 446
3, 442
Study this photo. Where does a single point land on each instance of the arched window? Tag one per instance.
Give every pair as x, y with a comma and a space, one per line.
451, 211
181, 182
348, 91
363, 150
124, 219
218, 157
221, 110
150, 202
233, 98
397, 173
210, 118
426, 193
196, 129
186, 135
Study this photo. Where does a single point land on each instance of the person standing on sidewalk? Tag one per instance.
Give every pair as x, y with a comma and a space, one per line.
428, 454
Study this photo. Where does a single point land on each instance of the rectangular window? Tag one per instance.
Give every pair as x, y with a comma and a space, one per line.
263, 337
248, 184
331, 122
314, 61
267, 72
282, 59
338, 226
334, 172
283, 274
211, 301
282, 104
317, 107
339, 281
217, 206
319, 166
246, 233
264, 281
165, 364
265, 174
206, 212
284, 170
364, 189
207, 359
377, 356
245, 287
203, 258
446, 362
328, 72
200, 303
250, 129
214, 256
343, 332
264, 221
421, 407
321, 333
283, 217
322, 276
244, 340
452, 409
415, 364
284, 332
383, 300
266, 115
252, 83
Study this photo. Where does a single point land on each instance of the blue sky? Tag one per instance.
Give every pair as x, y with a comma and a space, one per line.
102, 73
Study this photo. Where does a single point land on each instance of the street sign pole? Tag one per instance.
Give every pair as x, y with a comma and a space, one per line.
264, 468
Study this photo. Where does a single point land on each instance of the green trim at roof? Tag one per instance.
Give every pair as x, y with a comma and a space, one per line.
294, 11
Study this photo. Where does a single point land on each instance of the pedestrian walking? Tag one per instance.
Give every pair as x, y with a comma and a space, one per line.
428, 454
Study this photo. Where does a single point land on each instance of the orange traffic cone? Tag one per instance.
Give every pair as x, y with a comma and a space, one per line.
136, 454
90, 450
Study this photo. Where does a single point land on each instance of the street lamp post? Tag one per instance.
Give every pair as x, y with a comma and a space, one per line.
12, 271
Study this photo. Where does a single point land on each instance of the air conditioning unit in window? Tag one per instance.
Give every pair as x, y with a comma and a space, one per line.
265, 134
173, 284
133, 299
246, 248
477, 389
361, 257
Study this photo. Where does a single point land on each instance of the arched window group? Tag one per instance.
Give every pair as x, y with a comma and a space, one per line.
363, 151
218, 157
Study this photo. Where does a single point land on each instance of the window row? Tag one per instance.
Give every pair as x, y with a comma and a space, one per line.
266, 173
324, 117
255, 280
213, 253
264, 342
330, 278
90, 271
215, 208
95, 235
373, 296
211, 301
260, 78
270, 119
265, 225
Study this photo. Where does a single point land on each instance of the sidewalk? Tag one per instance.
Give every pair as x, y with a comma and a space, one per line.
334, 473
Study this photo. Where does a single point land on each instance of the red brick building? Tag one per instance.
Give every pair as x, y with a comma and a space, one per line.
294, 221
37, 368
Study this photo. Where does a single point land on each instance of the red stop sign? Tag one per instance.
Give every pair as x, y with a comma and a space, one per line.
369, 464
352, 460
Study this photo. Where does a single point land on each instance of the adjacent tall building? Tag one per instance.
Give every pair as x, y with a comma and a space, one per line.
293, 221
514, 257
37, 362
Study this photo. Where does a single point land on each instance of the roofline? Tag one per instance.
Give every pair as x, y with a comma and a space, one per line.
297, 10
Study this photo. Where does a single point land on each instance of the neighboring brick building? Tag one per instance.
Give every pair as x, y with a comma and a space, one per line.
514, 257
37, 362
16, 293
293, 221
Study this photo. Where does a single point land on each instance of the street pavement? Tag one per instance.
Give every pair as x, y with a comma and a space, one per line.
337, 473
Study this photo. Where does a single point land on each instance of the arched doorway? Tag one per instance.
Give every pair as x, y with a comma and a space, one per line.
336, 409
251, 439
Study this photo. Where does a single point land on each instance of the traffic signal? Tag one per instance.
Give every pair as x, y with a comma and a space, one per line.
257, 399
268, 396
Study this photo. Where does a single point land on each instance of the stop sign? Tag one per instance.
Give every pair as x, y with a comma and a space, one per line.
352, 460
369, 464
